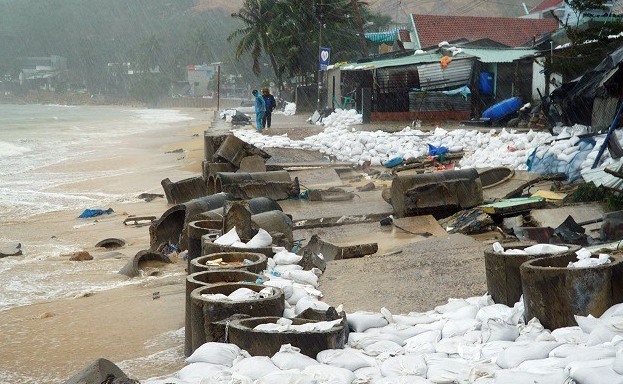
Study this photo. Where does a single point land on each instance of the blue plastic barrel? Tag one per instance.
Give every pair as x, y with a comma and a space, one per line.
502, 109
485, 83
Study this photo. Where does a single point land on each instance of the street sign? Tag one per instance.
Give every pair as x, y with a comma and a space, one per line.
325, 57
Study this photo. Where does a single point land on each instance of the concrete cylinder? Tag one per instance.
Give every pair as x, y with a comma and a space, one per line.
554, 293
209, 248
226, 178
218, 310
274, 221
196, 230
257, 265
503, 276
194, 315
262, 343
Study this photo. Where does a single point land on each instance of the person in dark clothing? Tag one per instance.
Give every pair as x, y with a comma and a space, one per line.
270, 107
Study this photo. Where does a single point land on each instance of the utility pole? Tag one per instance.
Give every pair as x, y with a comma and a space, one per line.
320, 14
362, 37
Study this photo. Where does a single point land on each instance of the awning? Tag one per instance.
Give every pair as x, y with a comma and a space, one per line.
407, 60
387, 37
498, 55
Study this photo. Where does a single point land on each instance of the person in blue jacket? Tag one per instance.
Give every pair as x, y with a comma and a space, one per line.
260, 109
270, 107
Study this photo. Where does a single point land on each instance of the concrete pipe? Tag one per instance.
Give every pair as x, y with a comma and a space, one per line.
170, 226
211, 144
194, 317
440, 194
274, 222
554, 293
503, 276
232, 260
218, 310
227, 178
495, 176
256, 206
209, 248
196, 230
264, 343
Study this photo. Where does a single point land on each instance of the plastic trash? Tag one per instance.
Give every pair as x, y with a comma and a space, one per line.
94, 213
394, 162
229, 238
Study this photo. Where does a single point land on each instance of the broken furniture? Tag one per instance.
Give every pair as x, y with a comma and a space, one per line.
440, 194
502, 270
554, 293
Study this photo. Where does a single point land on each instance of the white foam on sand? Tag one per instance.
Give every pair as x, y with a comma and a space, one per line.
9, 149
162, 116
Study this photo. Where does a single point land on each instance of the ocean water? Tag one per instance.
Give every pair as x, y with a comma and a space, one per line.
35, 136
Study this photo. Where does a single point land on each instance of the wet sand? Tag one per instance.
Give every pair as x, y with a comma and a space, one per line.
49, 341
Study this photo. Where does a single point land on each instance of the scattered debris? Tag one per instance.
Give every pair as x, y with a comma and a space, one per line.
468, 222
94, 213
253, 163
330, 194
366, 188
184, 190
511, 207
139, 220
149, 197
325, 222
80, 256
111, 243
179, 150
331, 252
11, 250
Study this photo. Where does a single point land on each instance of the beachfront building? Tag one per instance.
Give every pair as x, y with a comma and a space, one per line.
42, 72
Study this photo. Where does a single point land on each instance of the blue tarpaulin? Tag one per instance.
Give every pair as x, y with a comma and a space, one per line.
94, 213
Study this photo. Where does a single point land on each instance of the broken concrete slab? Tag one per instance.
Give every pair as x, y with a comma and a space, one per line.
211, 144
334, 252
184, 190
275, 190
253, 163
367, 188
541, 235
516, 185
141, 260
331, 194
612, 227
468, 222
319, 178
508, 223
233, 150
209, 168
11, 250
98, 372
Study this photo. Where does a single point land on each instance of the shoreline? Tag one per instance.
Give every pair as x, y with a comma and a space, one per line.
116, 318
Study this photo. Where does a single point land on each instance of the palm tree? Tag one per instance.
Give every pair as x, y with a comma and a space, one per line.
257, 16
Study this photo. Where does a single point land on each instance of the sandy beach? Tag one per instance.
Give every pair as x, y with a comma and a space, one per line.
50, 340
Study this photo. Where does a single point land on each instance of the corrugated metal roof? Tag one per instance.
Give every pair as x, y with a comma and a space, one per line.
407, 60
498, 55
456, 75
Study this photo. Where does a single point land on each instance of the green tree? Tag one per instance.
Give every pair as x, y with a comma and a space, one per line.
253, 37
148, 55
151, 89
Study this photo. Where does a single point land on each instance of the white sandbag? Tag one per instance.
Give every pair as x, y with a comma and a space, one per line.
285, 286
406, 365
466, 312
297, 294
402, 332
243, 294
498, 311
284, 258
260, 240
540, 249
197, 371
447, 370
615, 310
588, 323
496, 330
328, 374
310, 302
593, 372
573, 335
362, 340
515, 376
569, 350
302, 277
481, 301
517, 354
494, 348
350, 359
617, 365
459, 327
401, 380
292, 376
215, 353
452, 305
168, 380
281, 269
362, 321
412, 320
290, 357
255, 367
367, 374
383, 349
229, 238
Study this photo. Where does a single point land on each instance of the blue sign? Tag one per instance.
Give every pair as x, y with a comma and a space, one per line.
325, 57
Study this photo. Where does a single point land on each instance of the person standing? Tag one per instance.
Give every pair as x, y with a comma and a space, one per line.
269, 100
260, 109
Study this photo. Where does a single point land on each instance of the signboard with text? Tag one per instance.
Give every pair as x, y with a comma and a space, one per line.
325, 57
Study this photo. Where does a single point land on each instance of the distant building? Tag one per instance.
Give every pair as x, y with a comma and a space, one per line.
198, 77
545, 9
42, 72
